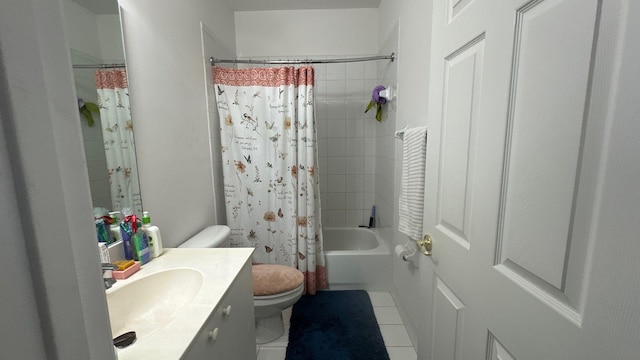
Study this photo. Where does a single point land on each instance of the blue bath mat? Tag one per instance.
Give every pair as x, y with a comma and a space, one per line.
335, 325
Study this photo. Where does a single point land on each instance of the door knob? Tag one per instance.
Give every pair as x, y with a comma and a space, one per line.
425, 245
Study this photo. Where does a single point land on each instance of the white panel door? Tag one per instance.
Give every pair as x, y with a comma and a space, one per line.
521, 107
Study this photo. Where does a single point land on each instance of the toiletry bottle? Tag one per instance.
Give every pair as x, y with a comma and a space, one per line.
115, 226
142, 252
153, 232
128, 227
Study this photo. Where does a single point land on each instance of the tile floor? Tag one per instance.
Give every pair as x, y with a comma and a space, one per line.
395, 335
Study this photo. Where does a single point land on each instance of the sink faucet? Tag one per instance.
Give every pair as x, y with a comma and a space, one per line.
106, 274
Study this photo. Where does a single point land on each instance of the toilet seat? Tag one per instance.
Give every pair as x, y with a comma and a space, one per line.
284, 294
273, 279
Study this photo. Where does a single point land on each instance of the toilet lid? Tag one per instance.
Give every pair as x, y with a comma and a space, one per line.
269, 279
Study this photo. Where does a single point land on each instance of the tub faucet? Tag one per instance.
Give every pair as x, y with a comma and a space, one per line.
107, 277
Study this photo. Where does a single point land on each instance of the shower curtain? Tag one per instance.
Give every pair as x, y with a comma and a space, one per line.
268, 145
117, 131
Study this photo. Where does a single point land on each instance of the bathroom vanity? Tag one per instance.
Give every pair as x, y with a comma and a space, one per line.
187, 304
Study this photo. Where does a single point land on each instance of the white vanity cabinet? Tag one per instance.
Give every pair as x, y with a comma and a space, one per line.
229, 333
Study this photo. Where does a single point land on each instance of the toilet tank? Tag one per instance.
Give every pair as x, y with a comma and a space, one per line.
216, 236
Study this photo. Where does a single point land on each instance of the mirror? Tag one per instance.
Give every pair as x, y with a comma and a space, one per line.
95, 39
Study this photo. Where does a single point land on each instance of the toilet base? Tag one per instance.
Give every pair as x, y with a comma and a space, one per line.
269, 328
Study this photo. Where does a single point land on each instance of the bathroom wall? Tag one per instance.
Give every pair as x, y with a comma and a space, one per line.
346, 136
163, 45
306, 32
411, 20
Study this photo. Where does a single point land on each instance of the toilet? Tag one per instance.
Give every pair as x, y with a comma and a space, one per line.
275, 287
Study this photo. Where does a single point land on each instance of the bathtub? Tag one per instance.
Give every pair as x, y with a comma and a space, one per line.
357, 258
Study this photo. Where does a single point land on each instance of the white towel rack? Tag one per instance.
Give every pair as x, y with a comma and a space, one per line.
400, 133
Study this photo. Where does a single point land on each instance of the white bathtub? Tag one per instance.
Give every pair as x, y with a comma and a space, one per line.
357, 258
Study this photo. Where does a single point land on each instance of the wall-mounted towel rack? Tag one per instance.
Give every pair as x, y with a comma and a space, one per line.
400, 133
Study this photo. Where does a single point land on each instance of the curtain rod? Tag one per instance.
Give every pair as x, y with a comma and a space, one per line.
98, 66
214, 61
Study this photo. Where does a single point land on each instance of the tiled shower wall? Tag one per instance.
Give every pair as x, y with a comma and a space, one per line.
346, 141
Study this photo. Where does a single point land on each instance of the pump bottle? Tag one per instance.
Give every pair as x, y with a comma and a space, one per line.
153, 233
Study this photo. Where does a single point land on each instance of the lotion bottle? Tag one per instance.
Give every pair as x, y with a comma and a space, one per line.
153, 233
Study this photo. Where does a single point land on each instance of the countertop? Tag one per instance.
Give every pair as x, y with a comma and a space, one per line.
219, 267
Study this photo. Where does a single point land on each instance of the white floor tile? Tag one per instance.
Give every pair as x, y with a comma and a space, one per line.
402, 353
395, 335
281, 341
272, 353
387, 315
381, 298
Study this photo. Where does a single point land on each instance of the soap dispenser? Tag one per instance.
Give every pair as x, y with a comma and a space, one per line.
153, 233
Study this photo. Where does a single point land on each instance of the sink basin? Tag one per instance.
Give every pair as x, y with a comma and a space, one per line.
147, 304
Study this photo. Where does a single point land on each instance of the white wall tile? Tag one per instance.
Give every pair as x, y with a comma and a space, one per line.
320, 70
323, 185
354, 183
336, 165
369, 165
336, 109
322, 128
354, 218
353, 201
370, 125
334, 201
336, 128
355, 108
320, 89
321, 109
334, 218
355, 70
322, 165
336, 89
322, 146
371, 70
370, 146
354, 89
369, 183
368, 200
354, 128
336, 147
355, 165
354, 147
336, 183
336, 71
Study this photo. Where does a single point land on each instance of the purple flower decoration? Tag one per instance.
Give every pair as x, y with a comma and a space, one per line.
377, 101
375, 95
80, 103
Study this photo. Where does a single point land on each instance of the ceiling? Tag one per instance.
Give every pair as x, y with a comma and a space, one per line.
111, 6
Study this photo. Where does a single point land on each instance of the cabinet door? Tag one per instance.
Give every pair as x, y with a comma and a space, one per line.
237, 338
206, 346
